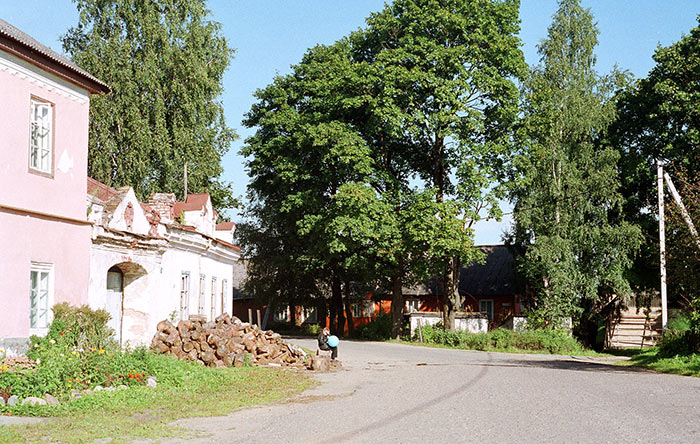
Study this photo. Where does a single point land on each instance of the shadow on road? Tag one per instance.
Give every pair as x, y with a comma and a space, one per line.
565, 364
423, 406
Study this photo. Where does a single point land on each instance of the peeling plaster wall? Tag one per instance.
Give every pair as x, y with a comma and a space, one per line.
152, 274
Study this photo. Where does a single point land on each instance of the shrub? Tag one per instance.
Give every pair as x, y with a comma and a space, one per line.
378, 329
552, 341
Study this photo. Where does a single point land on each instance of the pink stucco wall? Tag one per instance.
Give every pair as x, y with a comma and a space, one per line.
26, 237
64, 194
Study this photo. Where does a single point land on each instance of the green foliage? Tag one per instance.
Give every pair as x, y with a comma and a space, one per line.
79, 327
414, 95
658, 119
547, 340
185, 389
164, 61
575, 244
378, 329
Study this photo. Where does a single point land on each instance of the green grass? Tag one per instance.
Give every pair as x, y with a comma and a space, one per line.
188, 390
503, 340
581, 352
651, 358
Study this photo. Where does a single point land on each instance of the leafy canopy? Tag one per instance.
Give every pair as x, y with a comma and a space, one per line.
164, 61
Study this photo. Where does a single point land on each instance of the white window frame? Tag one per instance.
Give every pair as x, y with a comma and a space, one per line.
412, 305
356, 310
41, 136
40, 314
202, 298
489, 314
368, 309
213, 298
224, 294
184, 295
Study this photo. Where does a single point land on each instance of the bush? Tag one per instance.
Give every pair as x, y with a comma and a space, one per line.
378, 329
79, 352
552, 341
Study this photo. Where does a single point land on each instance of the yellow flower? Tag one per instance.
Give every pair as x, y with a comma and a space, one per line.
3, 367
52, 341
102, 351
70, 359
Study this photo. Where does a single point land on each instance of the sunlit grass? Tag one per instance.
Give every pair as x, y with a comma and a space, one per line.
142, 412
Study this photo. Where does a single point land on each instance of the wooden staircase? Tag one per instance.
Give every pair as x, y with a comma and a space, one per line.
636, 330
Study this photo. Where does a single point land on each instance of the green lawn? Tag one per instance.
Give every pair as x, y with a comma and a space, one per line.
142, 412
650, 358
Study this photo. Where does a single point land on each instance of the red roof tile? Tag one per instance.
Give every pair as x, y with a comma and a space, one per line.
100, 190
225, 226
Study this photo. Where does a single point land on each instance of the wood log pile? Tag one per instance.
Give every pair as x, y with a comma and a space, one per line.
225, 342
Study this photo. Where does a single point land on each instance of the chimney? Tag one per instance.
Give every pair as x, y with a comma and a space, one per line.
162, 203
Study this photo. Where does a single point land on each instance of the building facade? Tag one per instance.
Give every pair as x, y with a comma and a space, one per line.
44, 233
155, 261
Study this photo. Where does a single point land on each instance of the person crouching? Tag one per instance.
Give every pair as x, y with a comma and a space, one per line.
323, 343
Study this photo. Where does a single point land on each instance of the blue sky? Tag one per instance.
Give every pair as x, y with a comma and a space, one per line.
271, 35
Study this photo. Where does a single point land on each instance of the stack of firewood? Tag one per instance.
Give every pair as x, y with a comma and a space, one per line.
225, 342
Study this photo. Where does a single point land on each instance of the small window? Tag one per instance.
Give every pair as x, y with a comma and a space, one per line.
41, 137
213, 298
40, 297
368, 309
356, 310
185, 295
412, 305
224, 295
202, 297
486, 306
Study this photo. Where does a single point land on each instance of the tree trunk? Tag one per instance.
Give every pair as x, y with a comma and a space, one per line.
448, 295
292, 313
337, 307
348, 307
397, 304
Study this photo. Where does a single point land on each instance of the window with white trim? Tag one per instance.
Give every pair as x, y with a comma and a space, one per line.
202, 299
184, 295
40, 136
213, 298
224, 295
412, 305
486, 306
40, 297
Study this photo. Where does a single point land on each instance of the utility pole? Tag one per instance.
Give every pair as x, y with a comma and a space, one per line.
662, 242
684, 211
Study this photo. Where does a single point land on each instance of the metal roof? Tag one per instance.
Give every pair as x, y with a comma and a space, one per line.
28, 41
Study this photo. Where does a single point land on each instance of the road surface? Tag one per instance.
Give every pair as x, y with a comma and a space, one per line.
395, 393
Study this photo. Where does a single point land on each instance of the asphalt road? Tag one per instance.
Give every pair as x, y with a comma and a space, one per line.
393, 393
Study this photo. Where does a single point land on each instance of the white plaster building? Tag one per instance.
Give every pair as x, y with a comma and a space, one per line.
146, 266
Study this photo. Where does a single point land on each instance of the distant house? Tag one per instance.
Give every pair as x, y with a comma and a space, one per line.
44, 233
491, 287
146, 265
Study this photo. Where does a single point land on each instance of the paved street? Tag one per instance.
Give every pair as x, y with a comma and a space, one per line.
392, 393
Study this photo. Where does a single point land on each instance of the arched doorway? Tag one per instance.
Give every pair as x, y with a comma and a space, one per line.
115, 300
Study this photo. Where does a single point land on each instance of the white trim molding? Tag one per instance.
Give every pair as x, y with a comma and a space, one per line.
45, 80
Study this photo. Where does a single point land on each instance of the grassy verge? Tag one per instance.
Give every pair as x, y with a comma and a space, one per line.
577, 352
142, 412
653, 359
502, 340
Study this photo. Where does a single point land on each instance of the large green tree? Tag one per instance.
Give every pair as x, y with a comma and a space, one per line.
577, 248
424, 92
446, 90
659, 119
164, 60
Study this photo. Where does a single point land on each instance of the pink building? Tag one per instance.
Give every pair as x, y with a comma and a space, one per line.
44, 232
